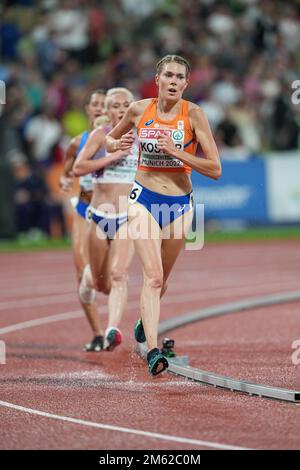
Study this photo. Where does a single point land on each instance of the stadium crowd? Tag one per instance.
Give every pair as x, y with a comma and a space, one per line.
245, 55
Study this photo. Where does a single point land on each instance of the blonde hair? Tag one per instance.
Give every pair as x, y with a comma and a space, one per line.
114, 91
100, 121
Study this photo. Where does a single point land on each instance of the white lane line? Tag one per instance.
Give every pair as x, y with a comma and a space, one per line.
180, 298
41, 321
137, 432
205, 294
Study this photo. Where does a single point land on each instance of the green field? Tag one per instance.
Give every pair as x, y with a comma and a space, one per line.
290, 233
42, 243
24, 244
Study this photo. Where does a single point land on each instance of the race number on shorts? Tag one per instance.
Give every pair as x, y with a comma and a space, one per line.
135, 192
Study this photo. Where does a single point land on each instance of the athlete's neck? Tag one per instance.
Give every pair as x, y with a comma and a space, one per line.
165, 106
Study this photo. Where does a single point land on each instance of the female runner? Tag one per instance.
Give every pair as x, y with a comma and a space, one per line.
169, 130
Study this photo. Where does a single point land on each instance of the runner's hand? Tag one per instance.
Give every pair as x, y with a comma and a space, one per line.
66, 183
126, 141
166, 144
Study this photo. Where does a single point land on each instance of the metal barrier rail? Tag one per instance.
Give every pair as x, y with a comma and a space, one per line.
216, 380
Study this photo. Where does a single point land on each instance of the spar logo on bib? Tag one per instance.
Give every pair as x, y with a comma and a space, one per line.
154, 133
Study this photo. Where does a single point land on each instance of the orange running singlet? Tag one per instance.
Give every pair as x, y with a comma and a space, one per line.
179, 128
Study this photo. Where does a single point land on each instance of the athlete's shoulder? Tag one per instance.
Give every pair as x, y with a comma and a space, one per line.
77, 139
75, 142
192, 107
97, 134
196, 113
138, 107
145, 102
198, 119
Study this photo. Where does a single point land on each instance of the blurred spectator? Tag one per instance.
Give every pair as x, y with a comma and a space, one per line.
33, 87
96, 29
48, 53
243, 115
221, 21
284, 128
226, 90
9, 146
227, 133
42, 133
9, 35
69, 22
57, 94
30, 197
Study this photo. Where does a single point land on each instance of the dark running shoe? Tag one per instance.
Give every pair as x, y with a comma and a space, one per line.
157, 362
139, 332
113, 338
167, 347
96, 345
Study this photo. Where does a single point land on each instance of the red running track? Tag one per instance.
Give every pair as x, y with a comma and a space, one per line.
69, 399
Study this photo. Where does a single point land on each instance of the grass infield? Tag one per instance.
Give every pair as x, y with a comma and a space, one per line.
259, 234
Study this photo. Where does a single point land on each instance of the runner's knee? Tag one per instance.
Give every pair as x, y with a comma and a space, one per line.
154, 279
118, 277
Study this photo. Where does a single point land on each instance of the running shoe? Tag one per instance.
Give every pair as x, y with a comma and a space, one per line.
139, 332
96, 345
157, 362
113, 338
167, 347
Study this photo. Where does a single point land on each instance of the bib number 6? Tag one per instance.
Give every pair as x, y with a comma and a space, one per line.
134, 194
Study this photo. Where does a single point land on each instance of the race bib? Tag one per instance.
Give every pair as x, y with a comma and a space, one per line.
151, 155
